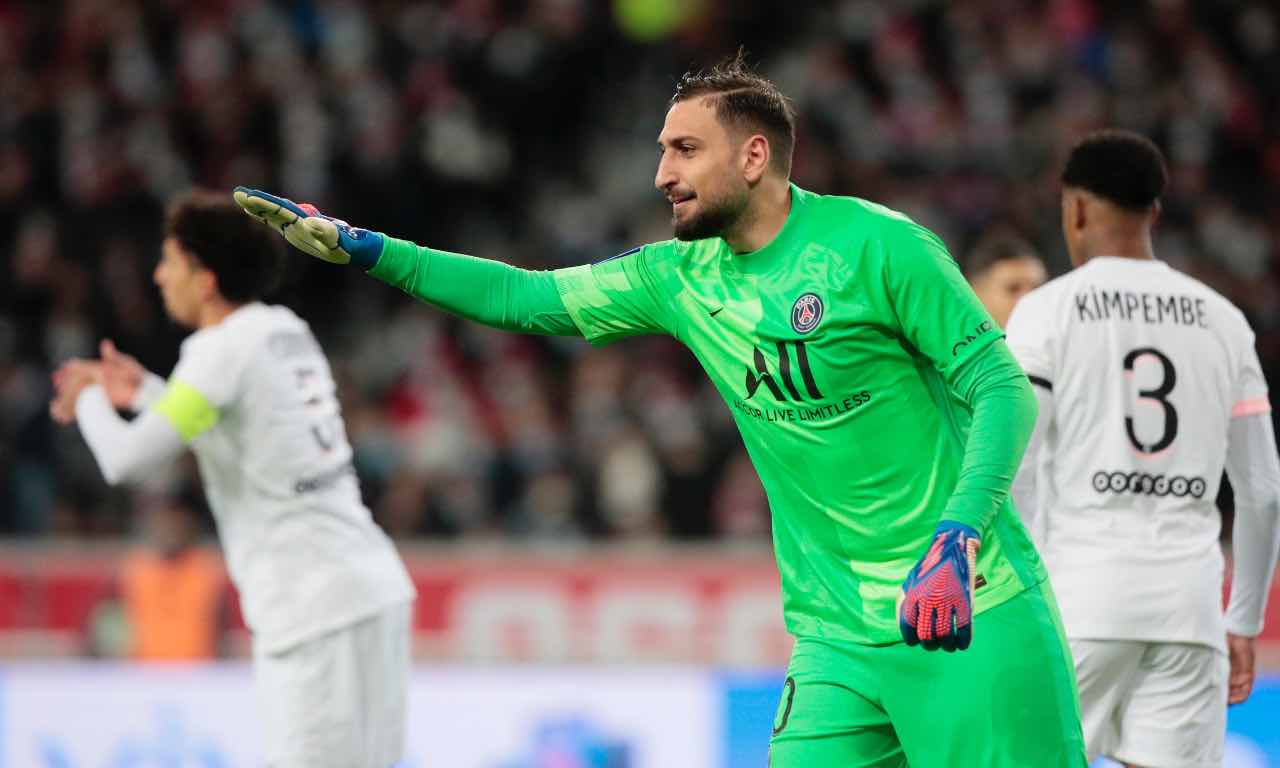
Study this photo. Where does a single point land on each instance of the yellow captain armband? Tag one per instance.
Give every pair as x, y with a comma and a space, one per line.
187, 410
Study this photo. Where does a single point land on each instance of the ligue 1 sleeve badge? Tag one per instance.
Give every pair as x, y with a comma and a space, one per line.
806, 313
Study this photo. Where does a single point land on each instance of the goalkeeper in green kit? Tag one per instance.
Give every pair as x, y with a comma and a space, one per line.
878, 402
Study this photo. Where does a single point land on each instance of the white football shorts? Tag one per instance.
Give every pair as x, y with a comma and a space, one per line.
1155, 704
340, 700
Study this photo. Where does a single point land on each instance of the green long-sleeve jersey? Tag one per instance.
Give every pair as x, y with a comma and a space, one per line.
873, 391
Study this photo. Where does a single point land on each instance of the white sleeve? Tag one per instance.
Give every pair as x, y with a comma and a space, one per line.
210, 363
1026, 492
205, 381
124, 450
1251, 385
1254, 470
1030, 337
151, 389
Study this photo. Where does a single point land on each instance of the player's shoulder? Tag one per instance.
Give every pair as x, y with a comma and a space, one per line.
241, 333
858, 214
874, 239
895, 235
204, 342
1218, 304
667, 255
1051, 292
1037, 313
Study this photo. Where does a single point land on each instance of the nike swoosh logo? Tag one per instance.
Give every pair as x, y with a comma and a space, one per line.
715, 311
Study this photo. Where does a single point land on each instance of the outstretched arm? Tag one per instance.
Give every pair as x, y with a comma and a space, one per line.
627, 295
487, 292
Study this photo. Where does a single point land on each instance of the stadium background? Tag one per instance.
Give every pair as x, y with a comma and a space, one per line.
582, 523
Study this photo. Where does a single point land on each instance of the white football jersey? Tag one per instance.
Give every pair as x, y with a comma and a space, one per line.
301, 547
1146, 366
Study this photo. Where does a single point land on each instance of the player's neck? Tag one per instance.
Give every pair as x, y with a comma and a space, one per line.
764, 218
1125, 236
215, 311
1137, 248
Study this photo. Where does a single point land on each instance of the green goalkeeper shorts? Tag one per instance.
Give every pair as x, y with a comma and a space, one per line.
1009, 700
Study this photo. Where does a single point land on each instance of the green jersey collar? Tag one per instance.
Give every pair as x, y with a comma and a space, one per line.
779, 246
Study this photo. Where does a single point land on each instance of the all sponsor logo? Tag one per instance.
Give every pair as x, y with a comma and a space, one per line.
1149, 485
761, 375
971, 336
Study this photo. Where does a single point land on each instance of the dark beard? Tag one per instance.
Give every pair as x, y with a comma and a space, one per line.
714, 220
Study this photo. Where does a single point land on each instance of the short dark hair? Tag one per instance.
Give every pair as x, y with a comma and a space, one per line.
997, 245
746, 100
246, 257
1121, 166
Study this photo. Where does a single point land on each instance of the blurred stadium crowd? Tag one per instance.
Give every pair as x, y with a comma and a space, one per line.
524, 130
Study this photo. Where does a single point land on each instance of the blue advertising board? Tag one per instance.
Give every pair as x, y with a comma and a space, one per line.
101, 715
750, 701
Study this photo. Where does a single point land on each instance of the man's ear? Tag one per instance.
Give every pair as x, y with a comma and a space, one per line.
756, 154
208, 283
1079, 211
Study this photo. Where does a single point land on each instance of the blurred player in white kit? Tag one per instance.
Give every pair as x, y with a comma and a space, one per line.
1149, 384
1002, 268
322, 588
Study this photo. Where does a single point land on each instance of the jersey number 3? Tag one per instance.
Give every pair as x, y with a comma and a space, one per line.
1158, 395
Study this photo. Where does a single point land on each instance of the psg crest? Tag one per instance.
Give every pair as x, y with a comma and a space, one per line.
806, 313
